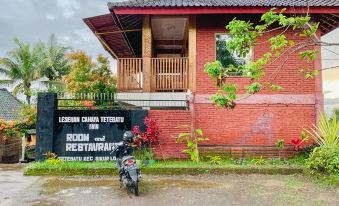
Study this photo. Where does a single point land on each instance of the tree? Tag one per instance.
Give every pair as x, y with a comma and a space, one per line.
78, 80
245, 36
89, 77
22, 66
53, 62
102, 78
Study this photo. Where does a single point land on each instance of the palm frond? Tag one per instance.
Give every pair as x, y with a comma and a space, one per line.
326, 133
6, 81
19, 88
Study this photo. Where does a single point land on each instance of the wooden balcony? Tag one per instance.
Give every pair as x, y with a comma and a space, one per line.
130, 74
166, 74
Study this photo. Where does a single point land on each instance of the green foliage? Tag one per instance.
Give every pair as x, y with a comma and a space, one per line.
259, 161
244, 36
26, 64
89, 77
273, 87
336, 113
254, 87
324, 160
226, 96
53, 161
280, 144
192, 142
21, 65
326, 133
308, 74
214, 160
53, 63
144, 154
18, 128
223, 100
214, 69
27, 121
225, 57
309, 55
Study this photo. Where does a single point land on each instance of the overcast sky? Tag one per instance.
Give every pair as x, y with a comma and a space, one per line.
34, 20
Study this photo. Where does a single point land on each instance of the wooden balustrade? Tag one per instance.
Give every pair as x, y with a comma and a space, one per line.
130, 74
167, 74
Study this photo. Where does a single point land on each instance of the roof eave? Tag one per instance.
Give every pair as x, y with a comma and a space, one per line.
221, 10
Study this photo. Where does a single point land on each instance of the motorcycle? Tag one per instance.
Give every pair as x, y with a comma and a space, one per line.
130, 175
127, 167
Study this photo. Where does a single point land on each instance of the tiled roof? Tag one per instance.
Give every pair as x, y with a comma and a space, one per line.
215, 3
9, 106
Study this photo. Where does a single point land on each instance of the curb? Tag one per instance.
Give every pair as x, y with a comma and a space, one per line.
165, 171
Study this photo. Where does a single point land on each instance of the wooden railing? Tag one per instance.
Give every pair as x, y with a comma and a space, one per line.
169, 74
130, 74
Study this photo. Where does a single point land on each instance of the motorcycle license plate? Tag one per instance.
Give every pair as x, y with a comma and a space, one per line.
130, 162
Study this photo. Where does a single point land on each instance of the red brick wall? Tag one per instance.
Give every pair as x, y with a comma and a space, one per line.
253, 125
288, 77
250, 124
168, 120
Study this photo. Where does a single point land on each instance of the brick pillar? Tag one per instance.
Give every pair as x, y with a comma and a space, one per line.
47, 105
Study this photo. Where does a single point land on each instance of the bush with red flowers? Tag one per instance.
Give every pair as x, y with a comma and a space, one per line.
150, 136
144, 140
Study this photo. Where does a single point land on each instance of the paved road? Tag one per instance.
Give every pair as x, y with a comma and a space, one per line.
164, 190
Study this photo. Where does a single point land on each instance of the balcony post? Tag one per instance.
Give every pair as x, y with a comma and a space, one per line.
192, 48
146, 53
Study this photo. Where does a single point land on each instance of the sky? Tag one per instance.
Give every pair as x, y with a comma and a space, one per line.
330, 58
34, 20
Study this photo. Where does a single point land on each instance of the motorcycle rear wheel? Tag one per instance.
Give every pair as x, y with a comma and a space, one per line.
136, 189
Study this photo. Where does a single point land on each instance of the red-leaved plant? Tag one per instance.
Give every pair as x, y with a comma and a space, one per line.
299, 141
150, 136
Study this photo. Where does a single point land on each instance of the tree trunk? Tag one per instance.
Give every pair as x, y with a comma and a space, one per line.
28, 99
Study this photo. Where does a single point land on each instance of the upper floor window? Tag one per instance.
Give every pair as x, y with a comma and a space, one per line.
226, 57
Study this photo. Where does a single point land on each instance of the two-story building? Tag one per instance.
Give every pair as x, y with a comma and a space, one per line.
162, 46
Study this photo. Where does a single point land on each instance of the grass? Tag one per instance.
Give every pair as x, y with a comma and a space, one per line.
168, 167
323, 179
174, 167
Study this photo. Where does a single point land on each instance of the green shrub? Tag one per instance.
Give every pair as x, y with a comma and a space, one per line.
325, 134
324, 160
192, 142
214, 160
259, 161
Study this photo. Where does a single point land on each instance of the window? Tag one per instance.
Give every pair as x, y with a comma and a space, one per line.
226, 57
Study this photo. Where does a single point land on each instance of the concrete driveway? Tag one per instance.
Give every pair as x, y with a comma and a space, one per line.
13, 183
164, 190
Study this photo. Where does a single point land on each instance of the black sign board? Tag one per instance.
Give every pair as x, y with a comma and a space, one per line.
81, 135
90, 135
